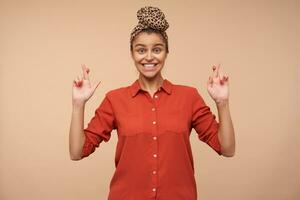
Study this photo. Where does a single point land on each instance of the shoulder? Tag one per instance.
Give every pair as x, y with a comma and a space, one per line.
119, 92
190, 89
116, 92
189, 92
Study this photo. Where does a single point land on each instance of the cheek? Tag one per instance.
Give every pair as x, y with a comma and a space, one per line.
137, 58
161, 58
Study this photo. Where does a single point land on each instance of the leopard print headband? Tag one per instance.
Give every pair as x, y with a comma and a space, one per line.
150, 17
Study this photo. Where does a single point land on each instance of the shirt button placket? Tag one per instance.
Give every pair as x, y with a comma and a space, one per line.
155, 145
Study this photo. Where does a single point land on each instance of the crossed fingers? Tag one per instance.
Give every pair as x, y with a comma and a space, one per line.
217, 75
79, 80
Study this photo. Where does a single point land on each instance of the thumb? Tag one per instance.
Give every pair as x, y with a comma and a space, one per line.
96, 85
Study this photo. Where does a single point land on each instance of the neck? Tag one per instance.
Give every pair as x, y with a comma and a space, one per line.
151, 85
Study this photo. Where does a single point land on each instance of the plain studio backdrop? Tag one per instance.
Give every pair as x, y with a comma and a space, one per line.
43, 43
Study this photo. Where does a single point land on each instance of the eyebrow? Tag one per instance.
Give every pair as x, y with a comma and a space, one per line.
158, 44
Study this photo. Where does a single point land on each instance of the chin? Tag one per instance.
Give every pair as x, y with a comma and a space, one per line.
147, 76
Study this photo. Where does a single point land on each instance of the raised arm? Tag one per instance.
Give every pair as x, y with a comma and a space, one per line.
81, 93
218, 89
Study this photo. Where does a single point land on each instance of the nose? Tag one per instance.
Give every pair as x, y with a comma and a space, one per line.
149, 56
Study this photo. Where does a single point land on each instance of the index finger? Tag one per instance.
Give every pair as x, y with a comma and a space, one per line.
85, 72
217, 71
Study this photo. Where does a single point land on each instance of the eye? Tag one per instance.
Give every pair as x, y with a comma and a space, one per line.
157, 50
142, 50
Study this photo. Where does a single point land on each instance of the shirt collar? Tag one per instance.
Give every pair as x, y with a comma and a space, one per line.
136, 87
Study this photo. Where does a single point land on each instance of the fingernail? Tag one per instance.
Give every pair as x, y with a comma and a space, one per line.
88, 70
214, 68
222, 82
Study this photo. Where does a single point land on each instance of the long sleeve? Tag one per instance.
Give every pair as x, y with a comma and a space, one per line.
99, 128
204, 122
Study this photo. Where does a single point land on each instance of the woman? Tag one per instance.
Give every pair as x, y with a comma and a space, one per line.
154, 118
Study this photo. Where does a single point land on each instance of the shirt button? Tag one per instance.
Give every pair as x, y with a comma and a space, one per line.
154, 138
153, 109
154, 172
156, 96
154, 122
154, 155
153, 189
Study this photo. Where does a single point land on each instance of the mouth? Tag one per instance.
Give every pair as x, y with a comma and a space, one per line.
149, 66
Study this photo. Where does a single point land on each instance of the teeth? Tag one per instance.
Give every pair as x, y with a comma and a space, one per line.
149, 65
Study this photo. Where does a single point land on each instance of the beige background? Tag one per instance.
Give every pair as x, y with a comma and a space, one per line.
43, 43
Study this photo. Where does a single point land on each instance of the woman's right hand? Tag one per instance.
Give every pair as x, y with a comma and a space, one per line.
83, 89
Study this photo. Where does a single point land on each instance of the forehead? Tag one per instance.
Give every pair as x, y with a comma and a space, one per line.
148, 39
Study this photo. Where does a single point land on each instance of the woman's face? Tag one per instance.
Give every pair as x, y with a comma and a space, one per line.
149, 54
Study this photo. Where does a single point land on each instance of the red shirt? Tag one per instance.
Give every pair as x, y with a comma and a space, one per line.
153, 157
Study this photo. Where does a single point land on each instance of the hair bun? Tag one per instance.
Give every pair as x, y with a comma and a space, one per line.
152, 17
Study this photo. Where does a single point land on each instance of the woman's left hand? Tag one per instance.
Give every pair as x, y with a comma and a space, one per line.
217, 85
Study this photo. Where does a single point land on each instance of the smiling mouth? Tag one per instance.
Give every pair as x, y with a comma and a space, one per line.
149, 66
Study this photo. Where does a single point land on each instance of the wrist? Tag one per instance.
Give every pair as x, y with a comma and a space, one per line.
222, 103
78, 104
